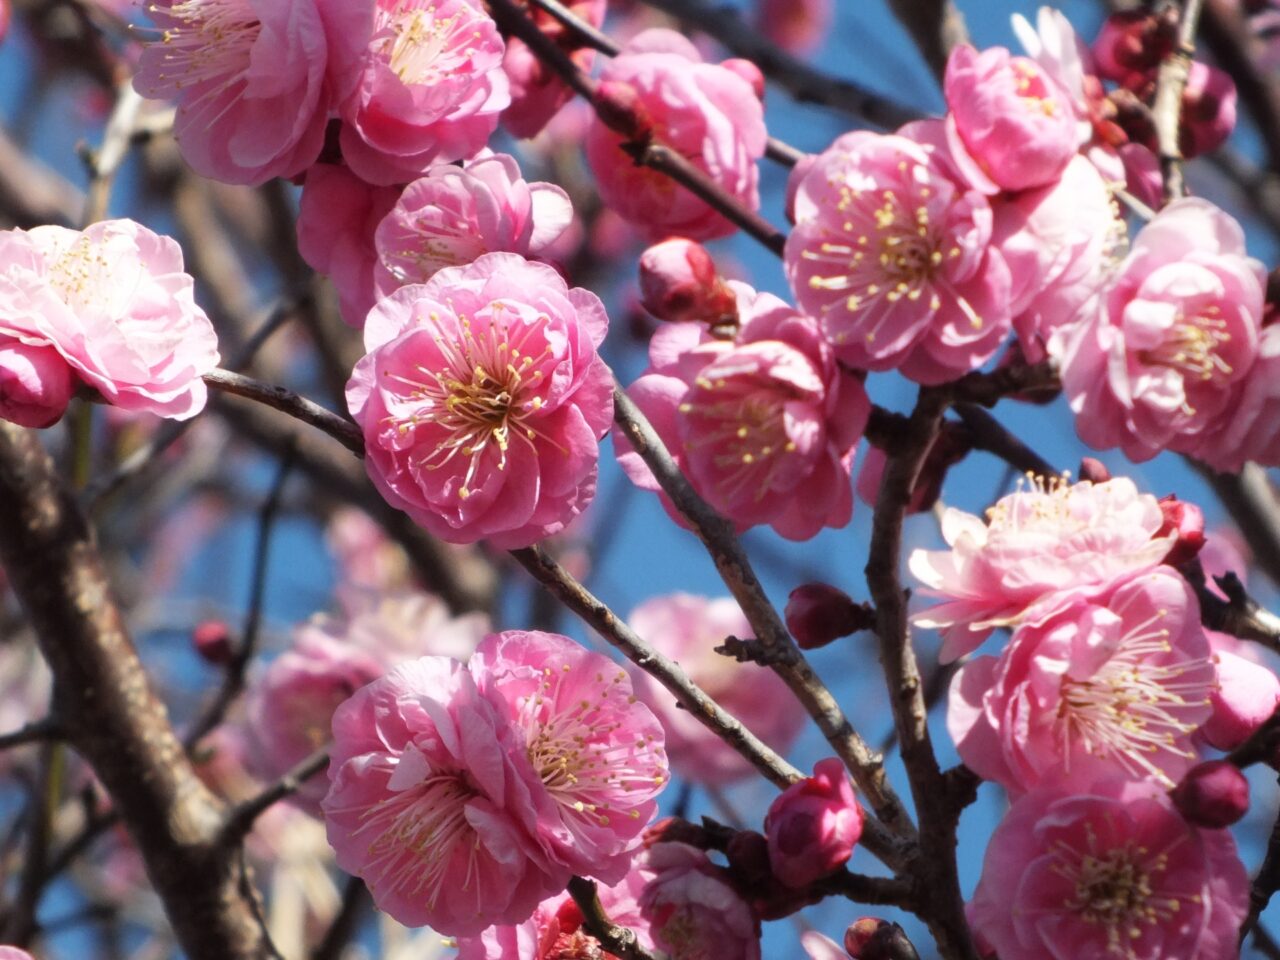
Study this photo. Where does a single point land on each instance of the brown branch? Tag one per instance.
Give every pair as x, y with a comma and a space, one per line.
1261, 746
242, 817
1239, 615
987, 433
113, 719
286, 401
1265, 882
39, 731
935, 25
1251, 501
785, 658
1171, 81
1226, 34
987, 389
619, 941
115, 147
800, 79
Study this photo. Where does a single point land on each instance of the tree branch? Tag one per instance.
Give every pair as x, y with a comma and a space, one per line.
620, 941
286, 401
1171, 81
935, 25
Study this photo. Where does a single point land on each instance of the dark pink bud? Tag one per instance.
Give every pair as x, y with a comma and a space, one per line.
620, 108
818, 613
1187, 522
813, 825
749, 72
678, 282
1213, 794
1130, 47
212, 640
870, 938
1208, 110
1095, 471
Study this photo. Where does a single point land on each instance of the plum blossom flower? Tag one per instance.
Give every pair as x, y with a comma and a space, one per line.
1009, 116
1109, 871
35, 383
691, 909
337, 216
687, 629
765, 425
1246, 695
1052, 537
893, 256
430, 89
401, 626
454, 214
254, 79
537, 93
798, 26
812, 825
702, 110
1167, 351
482, 400
432, 802
1116, 683
596, 750
114, 301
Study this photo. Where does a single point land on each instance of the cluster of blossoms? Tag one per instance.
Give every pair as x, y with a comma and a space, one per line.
109, 308
1103, 698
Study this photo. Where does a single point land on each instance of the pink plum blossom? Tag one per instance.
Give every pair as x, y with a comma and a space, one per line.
430, 89
482, 400
290, 706
764, 425
1112, 870
35, 383
537, 92
454, 214
1115, 683
1166, 352
702, 110
555, 931
1246, 696
114, 301
687, 629
394, 627
892, 255
812, 826
819, 947
1060, 243
337, 216
1010, 116
432, 802
1052, 537
798, 26
254, 79
692, 910
595, 748
13, 953
1208, 110
1249, 427
368, 562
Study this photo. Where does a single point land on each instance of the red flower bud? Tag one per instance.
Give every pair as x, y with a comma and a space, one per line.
818, 613
1208, 110
678, 282
870, 938
1187, 522
813, 825
1130, 47
212, 640
1213, 794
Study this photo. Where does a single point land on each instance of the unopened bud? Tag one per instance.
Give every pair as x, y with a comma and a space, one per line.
871, 938
679, 283
812, 826
1186, 522
817, 613
1130, 46
212, 640
1213, 794
1208, 110
1095, 471
748, 71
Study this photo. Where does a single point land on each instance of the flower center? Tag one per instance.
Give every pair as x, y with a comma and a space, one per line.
419, 45
210, 43
1192, 347
1032, 89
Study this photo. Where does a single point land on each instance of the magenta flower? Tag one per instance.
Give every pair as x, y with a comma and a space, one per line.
454, 214
1053, 537
688, 629
430, 89
254, 79
1213, 794
1111, 871
1116, 684
537, 92
337, 216
1009, 116
691, 908
1166, 354
765, 425
482, 400
432, 802
1246, 695
114, 301
702, 110
596, 750
893, 257
813, 825
35, 383
679, 283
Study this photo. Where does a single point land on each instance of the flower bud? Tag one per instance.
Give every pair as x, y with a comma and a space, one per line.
1130, 46
1246, 696
813, 825
212, 640
748, 71
36, 383
1095, 471
1187, 522
870, 938
1208, 110
619, 107
679, 283
1213, 794
818, 613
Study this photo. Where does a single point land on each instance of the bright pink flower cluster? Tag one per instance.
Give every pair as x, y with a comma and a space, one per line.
109, 307
482, 400
765, 425
465, 795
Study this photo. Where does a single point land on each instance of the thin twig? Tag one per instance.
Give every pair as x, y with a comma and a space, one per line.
620, 941
936, 26
39, 731
286, 401
355, 900
1265, 943
989, 434
1171, 81
241, 818
106, 161
1264, 882
1251, 501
